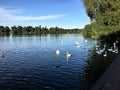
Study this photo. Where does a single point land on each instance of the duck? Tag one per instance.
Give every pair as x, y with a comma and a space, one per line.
2, 55
57, 66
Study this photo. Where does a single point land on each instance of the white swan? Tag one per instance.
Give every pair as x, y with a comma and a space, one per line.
99, 52
114, 44
116, 41
57, 52
116, 50
97, 46
78, 46
86, 41
102, 50
111, 49
68, 55
61, 42
105, 55
77, 43
104, 45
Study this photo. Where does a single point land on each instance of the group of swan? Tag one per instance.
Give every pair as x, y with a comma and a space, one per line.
78, 44
58, 51
104, 50
100, 51
68, 55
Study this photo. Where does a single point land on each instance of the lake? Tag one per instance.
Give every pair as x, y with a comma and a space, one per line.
31, 63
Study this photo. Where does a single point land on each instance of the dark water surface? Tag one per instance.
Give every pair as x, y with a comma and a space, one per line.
30, 62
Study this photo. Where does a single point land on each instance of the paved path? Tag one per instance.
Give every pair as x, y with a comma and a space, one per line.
110, 80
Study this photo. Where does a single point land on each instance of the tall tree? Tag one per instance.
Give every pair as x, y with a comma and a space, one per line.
2, 29
7, 30
20, 29
104, 15
14, 30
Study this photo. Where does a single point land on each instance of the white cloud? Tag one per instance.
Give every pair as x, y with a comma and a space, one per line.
7, 15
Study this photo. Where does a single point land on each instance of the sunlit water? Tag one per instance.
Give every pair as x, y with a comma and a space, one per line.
30, 62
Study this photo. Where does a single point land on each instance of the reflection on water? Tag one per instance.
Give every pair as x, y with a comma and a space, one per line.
31, 62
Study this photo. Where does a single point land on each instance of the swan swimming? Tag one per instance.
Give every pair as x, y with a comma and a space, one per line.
57, 52
98, 52
86, 41
97, 46
116, 41
111, 49
61, 42
105, 55
77, 43
115, 50
78, 46
68, 55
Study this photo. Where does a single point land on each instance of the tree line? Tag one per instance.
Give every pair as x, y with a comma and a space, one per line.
30, 30
104, 16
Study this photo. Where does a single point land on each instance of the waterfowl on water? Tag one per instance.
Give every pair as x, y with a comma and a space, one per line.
105, 55
78, 46
98, 52
68, 55
116, 41
57, 66
111, 49
115, 50
86, 41
61, 42
57, 52
97, 46
1, 54
77, 43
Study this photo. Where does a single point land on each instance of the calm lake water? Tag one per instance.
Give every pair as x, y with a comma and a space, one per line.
30, 62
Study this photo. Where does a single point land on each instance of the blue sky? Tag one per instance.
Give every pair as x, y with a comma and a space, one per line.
50, 13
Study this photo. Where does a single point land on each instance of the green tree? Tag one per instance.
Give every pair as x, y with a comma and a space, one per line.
104, 15
20, 30
2, 29
14, 30
7, 30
